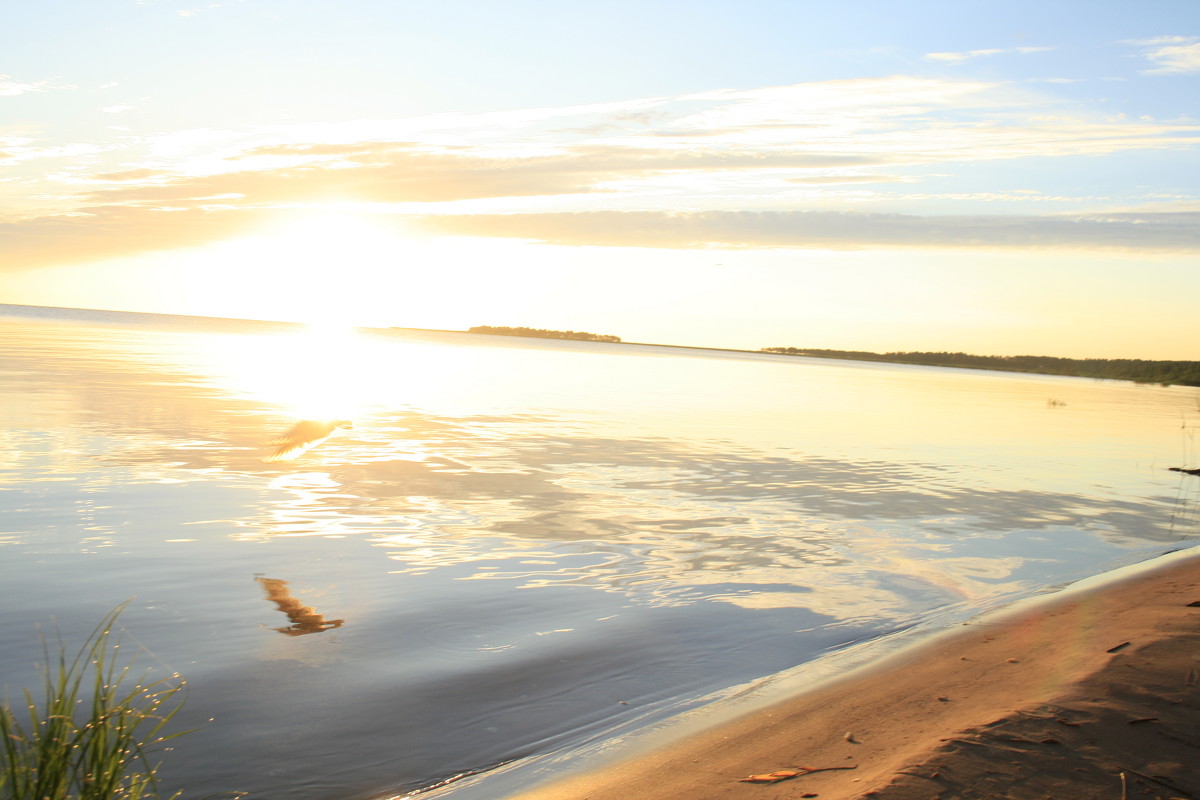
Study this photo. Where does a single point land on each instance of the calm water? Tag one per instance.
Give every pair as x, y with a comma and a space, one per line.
523, 547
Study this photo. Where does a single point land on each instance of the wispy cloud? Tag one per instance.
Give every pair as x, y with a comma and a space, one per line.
966, 55
622, 171
194, 11
836, 230
780, 151
23, 149
755, 141
11, 88
1174, 55
111, 231
95, 234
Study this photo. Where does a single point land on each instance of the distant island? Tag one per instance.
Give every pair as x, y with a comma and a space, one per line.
542, 333
1183, 373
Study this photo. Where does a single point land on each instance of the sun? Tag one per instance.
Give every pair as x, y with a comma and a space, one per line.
331, 266
337, 261
355, 265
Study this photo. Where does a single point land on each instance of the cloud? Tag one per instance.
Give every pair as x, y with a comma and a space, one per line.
749, 161
959, 57
834, 230
398, 179
667, 162
819, 180
402, 172
744, 144
95, 234
9, 88
22, 149
1174, 55
139, 174
105, 232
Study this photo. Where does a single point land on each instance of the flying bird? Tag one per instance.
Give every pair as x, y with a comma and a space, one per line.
304, 619
304, 436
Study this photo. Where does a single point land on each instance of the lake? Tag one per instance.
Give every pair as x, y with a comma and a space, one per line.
523, 549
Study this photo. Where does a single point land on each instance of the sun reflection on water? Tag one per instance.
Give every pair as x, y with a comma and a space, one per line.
318, 372
328, 371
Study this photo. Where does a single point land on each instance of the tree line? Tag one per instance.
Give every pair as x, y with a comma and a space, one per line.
1184, 373
543, 333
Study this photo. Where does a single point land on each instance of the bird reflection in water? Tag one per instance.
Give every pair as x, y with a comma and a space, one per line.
304, 436
304, 619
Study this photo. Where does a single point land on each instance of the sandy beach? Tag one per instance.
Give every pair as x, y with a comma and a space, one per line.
1092, 693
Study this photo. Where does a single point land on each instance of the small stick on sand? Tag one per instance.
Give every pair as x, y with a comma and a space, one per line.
785, 774
1159, 780
963, 740
932, 777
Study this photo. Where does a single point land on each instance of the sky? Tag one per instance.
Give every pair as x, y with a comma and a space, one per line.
996, 178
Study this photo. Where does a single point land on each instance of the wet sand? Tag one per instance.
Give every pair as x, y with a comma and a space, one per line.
1094, 692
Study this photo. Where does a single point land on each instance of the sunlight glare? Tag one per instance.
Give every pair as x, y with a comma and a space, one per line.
320, 372
336, 257
329, 266
332, 372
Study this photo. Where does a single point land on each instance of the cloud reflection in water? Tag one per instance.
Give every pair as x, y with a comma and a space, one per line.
666, 519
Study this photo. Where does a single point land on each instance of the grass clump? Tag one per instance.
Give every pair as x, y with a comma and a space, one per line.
92, 733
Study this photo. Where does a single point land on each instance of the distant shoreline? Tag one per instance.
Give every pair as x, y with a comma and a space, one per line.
1181, 373
1166, 373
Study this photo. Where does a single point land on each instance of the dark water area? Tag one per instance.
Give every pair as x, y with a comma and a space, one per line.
521, 548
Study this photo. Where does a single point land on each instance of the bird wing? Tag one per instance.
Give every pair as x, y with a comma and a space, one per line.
300, 438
